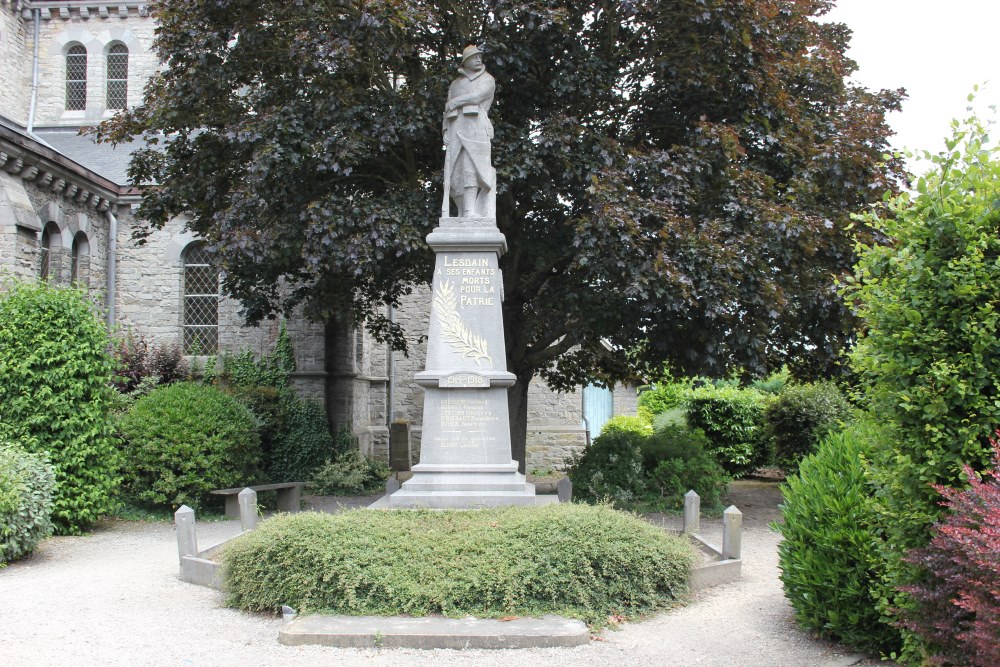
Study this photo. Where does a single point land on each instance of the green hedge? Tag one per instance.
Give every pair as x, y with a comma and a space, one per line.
799, 417
574, 560
27, 482
56, 395
733, 420
185, 439
928, 355
829, 554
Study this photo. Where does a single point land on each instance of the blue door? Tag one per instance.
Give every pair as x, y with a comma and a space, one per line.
598, 408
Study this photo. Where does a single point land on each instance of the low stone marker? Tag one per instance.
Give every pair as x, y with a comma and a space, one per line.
564, 490
187, 540
399, 446
732, 528
692, 512
248, 508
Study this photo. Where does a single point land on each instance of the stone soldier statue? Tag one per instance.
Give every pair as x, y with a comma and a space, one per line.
469, 178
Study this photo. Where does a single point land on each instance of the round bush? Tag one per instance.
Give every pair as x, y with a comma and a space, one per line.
829, 556
574, 560
610, 469
55, 395
184, 440
733, 420
27, 482
800, 416
677, 461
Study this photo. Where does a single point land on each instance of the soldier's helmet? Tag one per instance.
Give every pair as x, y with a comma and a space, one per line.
470, 51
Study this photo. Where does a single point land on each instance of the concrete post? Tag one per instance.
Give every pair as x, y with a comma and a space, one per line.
692, 512
391, 486
732, 526
564, 490
187, 542
248, 509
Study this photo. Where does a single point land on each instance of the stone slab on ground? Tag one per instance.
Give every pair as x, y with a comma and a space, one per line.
433, 632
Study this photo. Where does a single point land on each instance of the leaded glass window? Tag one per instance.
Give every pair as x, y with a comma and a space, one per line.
76, 78
79, 270
117, 76
45, 254
201, 301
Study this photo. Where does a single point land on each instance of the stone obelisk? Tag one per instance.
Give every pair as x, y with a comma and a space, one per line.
465, 454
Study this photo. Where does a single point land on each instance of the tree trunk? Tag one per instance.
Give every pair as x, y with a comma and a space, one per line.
517, 406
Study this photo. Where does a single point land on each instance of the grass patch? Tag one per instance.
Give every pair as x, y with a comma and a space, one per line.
580, 561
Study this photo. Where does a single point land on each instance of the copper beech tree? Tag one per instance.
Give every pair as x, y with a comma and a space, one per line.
675, 177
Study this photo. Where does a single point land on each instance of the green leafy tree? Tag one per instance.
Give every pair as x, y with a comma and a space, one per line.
681, 169
56, 395
929, 358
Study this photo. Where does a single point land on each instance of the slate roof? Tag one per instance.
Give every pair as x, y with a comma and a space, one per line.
109, 161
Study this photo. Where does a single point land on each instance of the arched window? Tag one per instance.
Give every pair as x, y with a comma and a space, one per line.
79, 268
51, 241
117, 76
201, 301
76, 78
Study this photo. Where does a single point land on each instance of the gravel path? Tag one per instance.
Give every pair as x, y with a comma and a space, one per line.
113, 598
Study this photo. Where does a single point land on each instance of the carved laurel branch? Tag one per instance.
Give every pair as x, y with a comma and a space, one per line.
455, 332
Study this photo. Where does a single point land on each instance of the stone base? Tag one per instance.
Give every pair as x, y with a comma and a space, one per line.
434, 632
464, 486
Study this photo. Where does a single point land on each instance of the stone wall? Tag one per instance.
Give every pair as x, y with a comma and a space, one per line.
15, 63
28, 208
150, 299
63, 26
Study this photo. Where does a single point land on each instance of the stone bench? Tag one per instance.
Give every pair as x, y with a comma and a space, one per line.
289, 496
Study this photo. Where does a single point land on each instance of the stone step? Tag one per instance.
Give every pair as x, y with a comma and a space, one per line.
432, 632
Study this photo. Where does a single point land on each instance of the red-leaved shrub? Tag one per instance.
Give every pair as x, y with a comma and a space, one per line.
958, 604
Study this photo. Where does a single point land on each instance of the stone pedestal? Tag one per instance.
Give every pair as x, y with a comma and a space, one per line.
465, 455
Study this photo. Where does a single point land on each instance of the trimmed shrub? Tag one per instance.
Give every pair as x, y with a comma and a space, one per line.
56, 395
572, 560
185, 439
27, 482
957, 606
799, 417
610, 469
350, 474
677, 460
733, 420
628, 424
829, 555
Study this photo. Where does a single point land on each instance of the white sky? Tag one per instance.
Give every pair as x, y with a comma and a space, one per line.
937, 50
